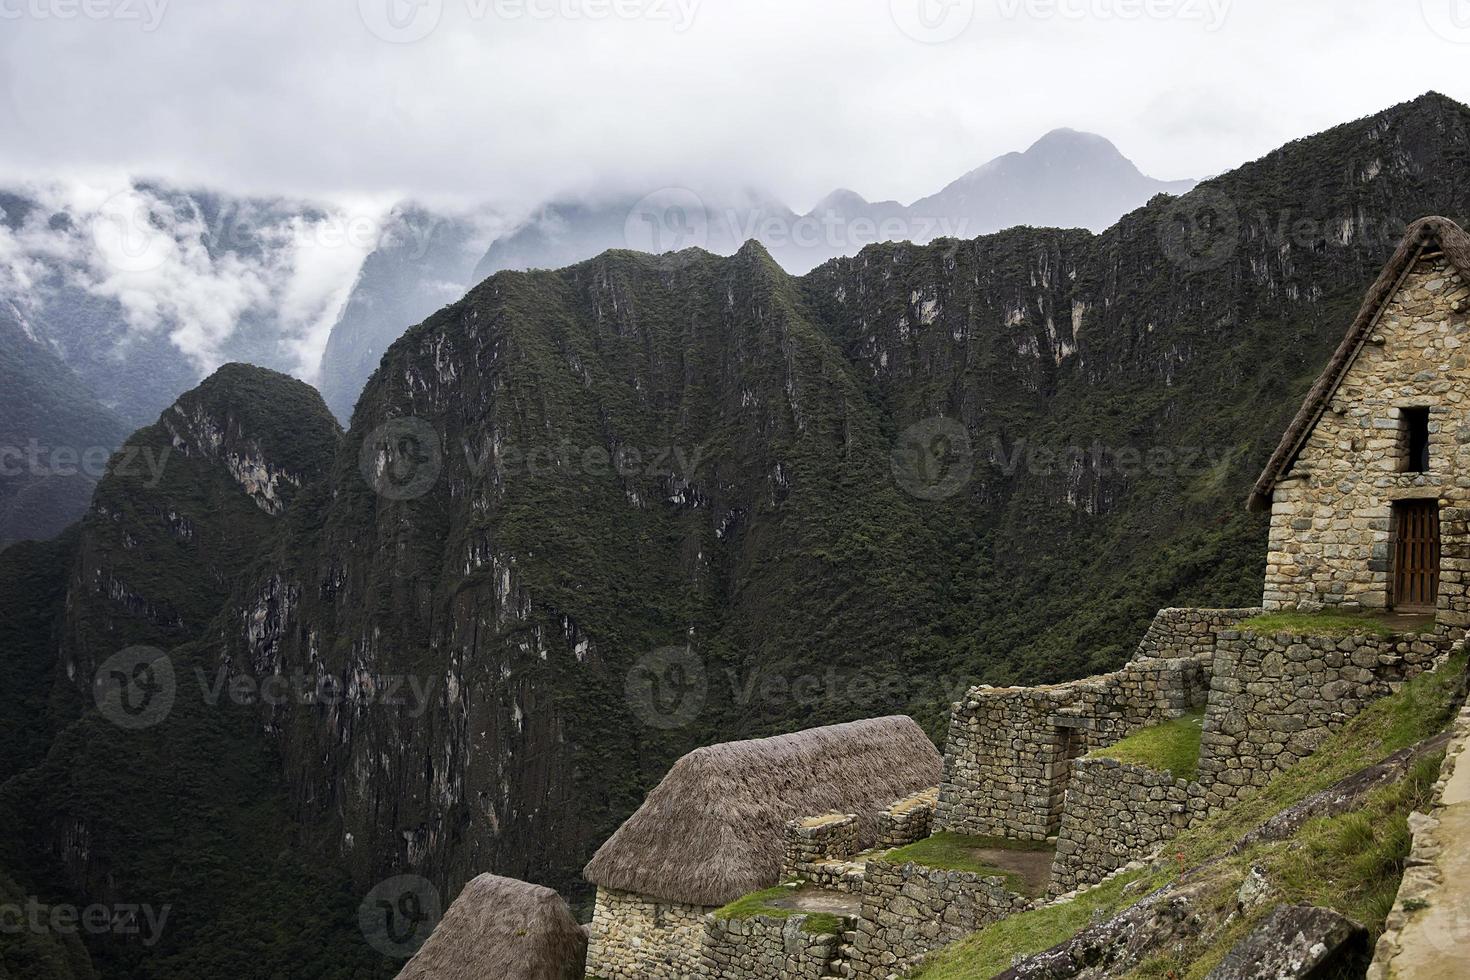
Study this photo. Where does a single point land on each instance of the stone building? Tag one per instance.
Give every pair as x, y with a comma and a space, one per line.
714, 830
1369, 488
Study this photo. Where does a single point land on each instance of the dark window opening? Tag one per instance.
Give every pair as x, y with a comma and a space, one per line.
1416, 439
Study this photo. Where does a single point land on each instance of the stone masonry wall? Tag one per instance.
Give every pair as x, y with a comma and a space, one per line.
1332, 517
763, 948
908, 820
817, 850
1116, 814
1008, 758
1274, 698
910, 910
637, 938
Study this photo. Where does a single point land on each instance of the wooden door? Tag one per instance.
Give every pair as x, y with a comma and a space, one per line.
1416, 554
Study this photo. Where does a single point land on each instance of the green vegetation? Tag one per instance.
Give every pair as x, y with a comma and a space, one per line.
958, 852
1351, 862
1172, 747
760, 904
1333, 624
992, 949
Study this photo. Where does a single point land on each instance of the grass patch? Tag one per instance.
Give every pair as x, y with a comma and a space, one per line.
1334, 624
1172, 747
758, 904
991, 950
957, 852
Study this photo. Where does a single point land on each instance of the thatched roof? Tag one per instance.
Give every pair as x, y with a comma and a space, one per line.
506, 929
1427, 234
712, 830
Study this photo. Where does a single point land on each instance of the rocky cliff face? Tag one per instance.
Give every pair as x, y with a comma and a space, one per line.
587, 519
488, 538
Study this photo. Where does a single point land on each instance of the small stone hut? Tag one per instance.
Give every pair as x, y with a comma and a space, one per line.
501, 928
713, 831
1369, 488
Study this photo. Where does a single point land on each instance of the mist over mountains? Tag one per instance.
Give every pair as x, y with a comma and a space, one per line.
137, 290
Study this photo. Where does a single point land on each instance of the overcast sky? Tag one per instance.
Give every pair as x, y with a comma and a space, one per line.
511, 101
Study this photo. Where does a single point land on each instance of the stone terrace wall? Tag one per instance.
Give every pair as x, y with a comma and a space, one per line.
817, 850
762, 948
1007, 760
636, 938
1428, 931
1116, 814
908, 820
909, 910
1274, 698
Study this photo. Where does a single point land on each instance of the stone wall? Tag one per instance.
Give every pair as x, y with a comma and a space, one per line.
1428, 931
764, 948
1332, 517
637, 938
910, 910
1275, 698
1116, 814
1007, 762
908, 820
817, 849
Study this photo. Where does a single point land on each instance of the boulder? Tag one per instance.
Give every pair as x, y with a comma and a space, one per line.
1298, 942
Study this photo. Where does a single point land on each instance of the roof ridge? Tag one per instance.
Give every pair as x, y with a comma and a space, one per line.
1454, 242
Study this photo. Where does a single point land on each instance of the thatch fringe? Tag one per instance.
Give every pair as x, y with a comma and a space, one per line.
1423, 235
712, 830
502, 928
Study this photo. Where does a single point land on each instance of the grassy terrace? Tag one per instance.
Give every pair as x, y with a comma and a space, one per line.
961, 852
1172, 747
1352, 862
1337, 624
762, 903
